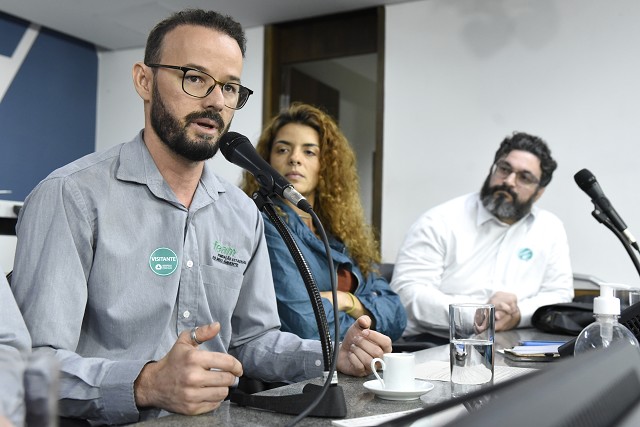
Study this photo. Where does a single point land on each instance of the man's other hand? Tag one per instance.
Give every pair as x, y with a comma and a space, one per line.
507, 310
360, 346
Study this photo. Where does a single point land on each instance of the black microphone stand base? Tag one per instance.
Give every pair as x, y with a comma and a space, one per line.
333, 404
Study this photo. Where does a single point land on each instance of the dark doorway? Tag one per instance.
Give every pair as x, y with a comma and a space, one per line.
335, 62
304, 88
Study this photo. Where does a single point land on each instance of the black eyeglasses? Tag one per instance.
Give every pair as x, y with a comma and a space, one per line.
503, 170
200, 84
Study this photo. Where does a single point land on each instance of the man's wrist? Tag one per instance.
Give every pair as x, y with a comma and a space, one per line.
141, 386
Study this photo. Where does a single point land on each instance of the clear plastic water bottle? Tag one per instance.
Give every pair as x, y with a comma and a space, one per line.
606, 330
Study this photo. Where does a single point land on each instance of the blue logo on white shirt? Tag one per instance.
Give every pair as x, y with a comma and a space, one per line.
525, 254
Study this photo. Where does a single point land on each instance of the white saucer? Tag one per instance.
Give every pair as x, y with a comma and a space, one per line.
420, 388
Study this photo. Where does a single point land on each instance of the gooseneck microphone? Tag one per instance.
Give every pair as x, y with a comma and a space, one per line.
237, 149
588, 183
321, 401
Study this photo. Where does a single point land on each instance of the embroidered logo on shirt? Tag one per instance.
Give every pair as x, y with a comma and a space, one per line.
225, 254
223, 249
163, 261
525, 254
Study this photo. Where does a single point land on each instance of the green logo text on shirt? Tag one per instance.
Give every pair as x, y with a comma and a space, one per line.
226, 254
163, 261
224, 249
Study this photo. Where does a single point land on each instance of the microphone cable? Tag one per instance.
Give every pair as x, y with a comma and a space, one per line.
336, 318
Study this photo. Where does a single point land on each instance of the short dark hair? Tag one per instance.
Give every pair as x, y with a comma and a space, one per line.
534, 145
203, 18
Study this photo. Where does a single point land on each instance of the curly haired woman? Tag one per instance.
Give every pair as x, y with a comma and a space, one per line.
305, 145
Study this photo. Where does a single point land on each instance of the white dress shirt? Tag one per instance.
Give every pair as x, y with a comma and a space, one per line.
459, 252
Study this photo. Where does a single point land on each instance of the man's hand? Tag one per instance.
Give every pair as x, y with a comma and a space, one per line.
188, 380
360, 346
481, 320
507, 311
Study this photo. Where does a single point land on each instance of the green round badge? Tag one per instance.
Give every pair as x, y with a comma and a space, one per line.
163, 261
525, 254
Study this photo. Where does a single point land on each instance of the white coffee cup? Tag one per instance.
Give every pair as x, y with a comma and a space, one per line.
399, 371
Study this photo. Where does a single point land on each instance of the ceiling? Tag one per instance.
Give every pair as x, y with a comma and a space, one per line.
124, 24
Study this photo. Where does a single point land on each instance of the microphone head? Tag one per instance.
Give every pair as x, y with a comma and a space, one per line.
237, 149
228, 143
584, 179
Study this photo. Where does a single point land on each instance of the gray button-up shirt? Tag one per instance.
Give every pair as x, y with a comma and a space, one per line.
110, 267
15, 346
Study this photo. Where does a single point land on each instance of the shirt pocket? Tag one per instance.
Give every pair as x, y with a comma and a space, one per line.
222, 290
221, 278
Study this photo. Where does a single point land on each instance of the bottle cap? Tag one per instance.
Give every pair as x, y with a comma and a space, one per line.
606, 303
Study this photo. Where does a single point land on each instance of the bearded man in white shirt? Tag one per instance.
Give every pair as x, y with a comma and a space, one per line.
493, 246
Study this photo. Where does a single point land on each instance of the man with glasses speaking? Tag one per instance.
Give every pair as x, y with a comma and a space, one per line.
145, 273
493, 246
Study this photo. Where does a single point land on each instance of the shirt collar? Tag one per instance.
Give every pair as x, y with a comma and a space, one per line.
137, 165
483, 215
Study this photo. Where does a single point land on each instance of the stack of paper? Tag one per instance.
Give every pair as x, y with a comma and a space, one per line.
534, 350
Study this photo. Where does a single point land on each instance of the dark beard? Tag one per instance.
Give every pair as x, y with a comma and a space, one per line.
174, 135
500, 207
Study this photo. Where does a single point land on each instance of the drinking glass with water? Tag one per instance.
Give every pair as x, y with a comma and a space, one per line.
471, 333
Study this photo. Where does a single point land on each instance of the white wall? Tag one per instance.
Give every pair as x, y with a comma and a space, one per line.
120, 112
461, 74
